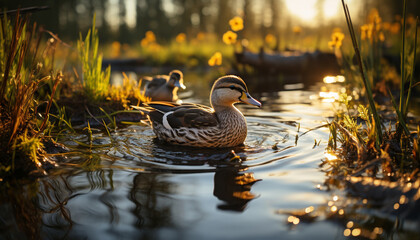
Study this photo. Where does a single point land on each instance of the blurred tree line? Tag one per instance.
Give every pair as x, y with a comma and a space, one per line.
167, 18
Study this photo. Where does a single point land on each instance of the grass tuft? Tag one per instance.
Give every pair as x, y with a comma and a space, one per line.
95, 81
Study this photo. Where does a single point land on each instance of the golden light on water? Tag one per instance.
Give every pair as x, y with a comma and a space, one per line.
403, 199
356, 232
378, 230
347, 232
329, 96
309, 209
293, 219
330, 157
334, 79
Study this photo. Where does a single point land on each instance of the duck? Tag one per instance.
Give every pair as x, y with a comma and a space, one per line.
164, 87
219, 126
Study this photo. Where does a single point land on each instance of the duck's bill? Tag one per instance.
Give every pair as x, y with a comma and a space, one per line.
180, 85
246, 98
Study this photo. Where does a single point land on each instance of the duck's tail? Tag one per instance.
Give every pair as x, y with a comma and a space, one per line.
160, 106
144, 109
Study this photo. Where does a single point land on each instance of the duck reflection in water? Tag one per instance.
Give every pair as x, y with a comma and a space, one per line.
233, 187
232, 184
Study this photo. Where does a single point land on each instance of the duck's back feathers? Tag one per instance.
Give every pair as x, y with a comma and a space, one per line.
182, 115
155, 82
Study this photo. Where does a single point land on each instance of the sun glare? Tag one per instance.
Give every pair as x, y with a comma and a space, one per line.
307, 11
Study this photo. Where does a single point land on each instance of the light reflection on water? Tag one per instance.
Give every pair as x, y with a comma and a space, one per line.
140, 188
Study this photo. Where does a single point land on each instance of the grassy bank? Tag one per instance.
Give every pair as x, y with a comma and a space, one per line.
368, 143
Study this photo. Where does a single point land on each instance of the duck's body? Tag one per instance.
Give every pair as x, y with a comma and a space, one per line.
195, 125
198, 126
164, 87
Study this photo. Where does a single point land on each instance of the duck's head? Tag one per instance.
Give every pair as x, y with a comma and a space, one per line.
229, 90
176, 79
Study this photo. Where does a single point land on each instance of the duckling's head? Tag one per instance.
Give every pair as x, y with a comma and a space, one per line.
176, 79
229, 90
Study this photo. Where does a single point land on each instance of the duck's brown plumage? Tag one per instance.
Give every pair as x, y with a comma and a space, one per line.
164, 87
221, 125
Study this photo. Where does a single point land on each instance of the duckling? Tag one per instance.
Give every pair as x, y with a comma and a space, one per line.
164, 87
218, 126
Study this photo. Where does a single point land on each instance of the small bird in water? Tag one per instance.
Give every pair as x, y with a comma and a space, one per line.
164, 87
221, 125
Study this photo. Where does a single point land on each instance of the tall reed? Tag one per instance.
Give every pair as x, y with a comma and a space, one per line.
95, 81
372, 107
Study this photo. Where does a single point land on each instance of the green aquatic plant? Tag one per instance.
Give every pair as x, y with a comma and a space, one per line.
95, 81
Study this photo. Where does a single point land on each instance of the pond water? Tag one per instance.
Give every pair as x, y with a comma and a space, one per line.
133, 187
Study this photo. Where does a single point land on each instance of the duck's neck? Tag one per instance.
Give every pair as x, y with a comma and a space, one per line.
227, 113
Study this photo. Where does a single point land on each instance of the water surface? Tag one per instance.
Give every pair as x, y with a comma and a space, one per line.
136, 187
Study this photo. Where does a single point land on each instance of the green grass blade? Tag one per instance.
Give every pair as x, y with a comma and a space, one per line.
109, 117
401, 109
399, 114
412, 70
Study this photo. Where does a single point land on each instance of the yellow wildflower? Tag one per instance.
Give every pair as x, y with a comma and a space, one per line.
331, 44
236, 23
336, 39
229, 37
365, 31
297, 29
216, 59
180, 38
150, 36
148, 39
381, 37
270, 38
144, 42
374, 16
338, 36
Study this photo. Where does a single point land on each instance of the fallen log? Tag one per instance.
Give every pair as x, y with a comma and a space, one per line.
310, 65
127, 64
